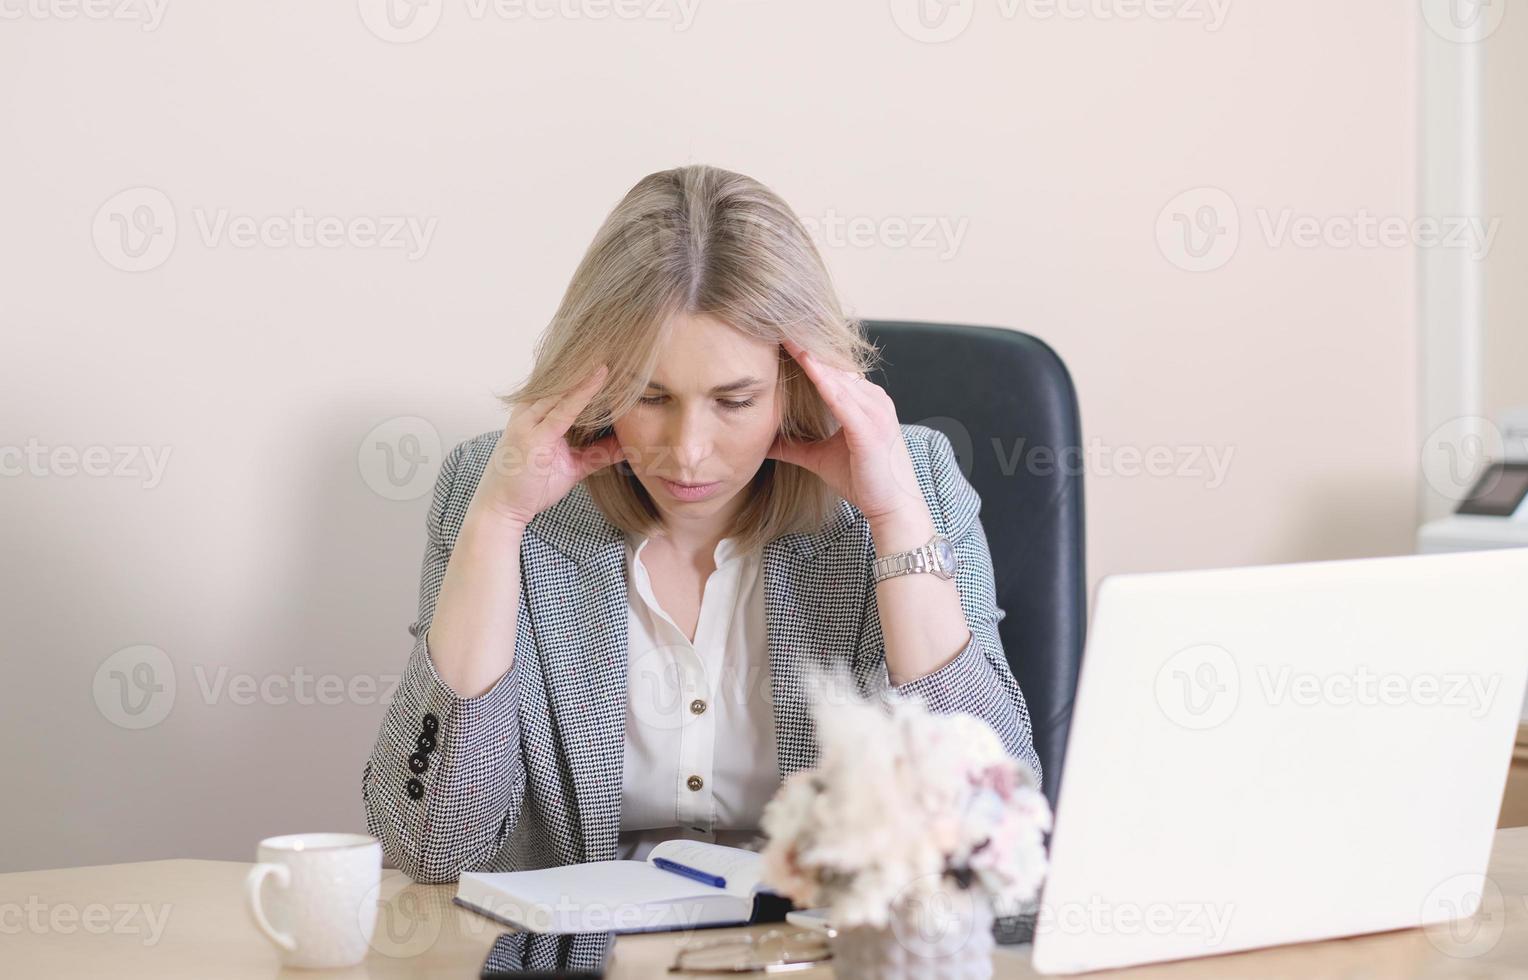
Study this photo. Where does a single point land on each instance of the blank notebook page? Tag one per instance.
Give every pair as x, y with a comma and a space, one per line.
613, 882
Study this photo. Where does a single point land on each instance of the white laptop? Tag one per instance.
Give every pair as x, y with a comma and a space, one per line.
1284, 753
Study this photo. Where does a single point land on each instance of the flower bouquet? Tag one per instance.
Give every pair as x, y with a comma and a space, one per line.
912, 827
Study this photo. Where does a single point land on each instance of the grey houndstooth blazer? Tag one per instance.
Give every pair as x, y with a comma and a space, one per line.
528, 774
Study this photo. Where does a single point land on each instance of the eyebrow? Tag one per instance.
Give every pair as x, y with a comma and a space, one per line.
731, 386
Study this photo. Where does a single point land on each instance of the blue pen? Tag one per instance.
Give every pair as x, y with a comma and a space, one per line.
705, 877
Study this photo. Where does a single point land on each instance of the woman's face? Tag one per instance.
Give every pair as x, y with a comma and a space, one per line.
708, 418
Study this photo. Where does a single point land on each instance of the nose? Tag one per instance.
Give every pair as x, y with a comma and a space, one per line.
690, 440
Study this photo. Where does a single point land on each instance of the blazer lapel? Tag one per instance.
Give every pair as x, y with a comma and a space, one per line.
813, 606
583, 642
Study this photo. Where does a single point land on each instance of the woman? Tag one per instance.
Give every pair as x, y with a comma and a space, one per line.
687, 506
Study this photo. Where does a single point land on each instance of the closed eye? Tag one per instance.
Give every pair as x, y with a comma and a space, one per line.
730, 405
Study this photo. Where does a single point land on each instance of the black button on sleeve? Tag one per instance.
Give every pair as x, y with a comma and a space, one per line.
425, 742
416, 789
431, 724
418, 763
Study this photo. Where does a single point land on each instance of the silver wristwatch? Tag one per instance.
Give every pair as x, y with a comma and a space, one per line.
937, 556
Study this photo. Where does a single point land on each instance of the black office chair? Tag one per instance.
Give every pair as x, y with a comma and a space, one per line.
1007, 403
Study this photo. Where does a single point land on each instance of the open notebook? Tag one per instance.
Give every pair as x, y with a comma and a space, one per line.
682, 884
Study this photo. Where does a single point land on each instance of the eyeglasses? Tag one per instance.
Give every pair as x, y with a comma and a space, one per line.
772, 951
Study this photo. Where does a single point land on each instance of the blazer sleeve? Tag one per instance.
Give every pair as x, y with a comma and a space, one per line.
446, 780
978, 681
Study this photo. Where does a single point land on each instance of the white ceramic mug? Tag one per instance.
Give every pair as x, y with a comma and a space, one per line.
321, 908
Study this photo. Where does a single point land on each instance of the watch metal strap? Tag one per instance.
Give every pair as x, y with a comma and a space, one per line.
919, 559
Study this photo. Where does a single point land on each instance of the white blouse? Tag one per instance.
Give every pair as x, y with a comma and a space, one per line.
700, 757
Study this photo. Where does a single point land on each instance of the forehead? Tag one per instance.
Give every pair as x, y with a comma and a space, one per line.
702, 352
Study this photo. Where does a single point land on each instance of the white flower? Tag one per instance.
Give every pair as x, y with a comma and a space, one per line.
902, 803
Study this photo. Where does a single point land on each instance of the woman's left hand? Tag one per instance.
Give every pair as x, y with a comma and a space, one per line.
866, 460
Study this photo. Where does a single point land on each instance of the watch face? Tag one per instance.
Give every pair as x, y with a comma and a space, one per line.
946, 554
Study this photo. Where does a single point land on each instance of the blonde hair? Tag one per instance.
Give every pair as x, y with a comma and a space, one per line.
703, 241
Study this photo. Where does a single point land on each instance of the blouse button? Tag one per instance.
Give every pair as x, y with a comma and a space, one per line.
695, 782
697, 707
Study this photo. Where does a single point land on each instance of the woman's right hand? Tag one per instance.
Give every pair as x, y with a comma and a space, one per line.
533, 467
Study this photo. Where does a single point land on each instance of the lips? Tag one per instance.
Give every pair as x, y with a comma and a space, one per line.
690, 491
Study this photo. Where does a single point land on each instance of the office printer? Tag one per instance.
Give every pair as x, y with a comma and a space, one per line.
1495, 512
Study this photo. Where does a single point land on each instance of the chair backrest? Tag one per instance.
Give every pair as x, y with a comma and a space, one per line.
1007, 403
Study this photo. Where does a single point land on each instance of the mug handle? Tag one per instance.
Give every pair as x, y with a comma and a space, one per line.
252, 884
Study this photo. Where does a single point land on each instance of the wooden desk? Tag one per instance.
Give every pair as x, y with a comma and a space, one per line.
1514, 804
167, 919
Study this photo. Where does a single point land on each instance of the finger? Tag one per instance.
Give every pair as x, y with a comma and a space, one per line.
561, 415
831, 384
865, 394
815, 365
849, 408
807, 454
597, 455
787, 451
524, 415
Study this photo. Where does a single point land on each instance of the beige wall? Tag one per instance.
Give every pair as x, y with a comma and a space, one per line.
1047, 148
1506, 198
